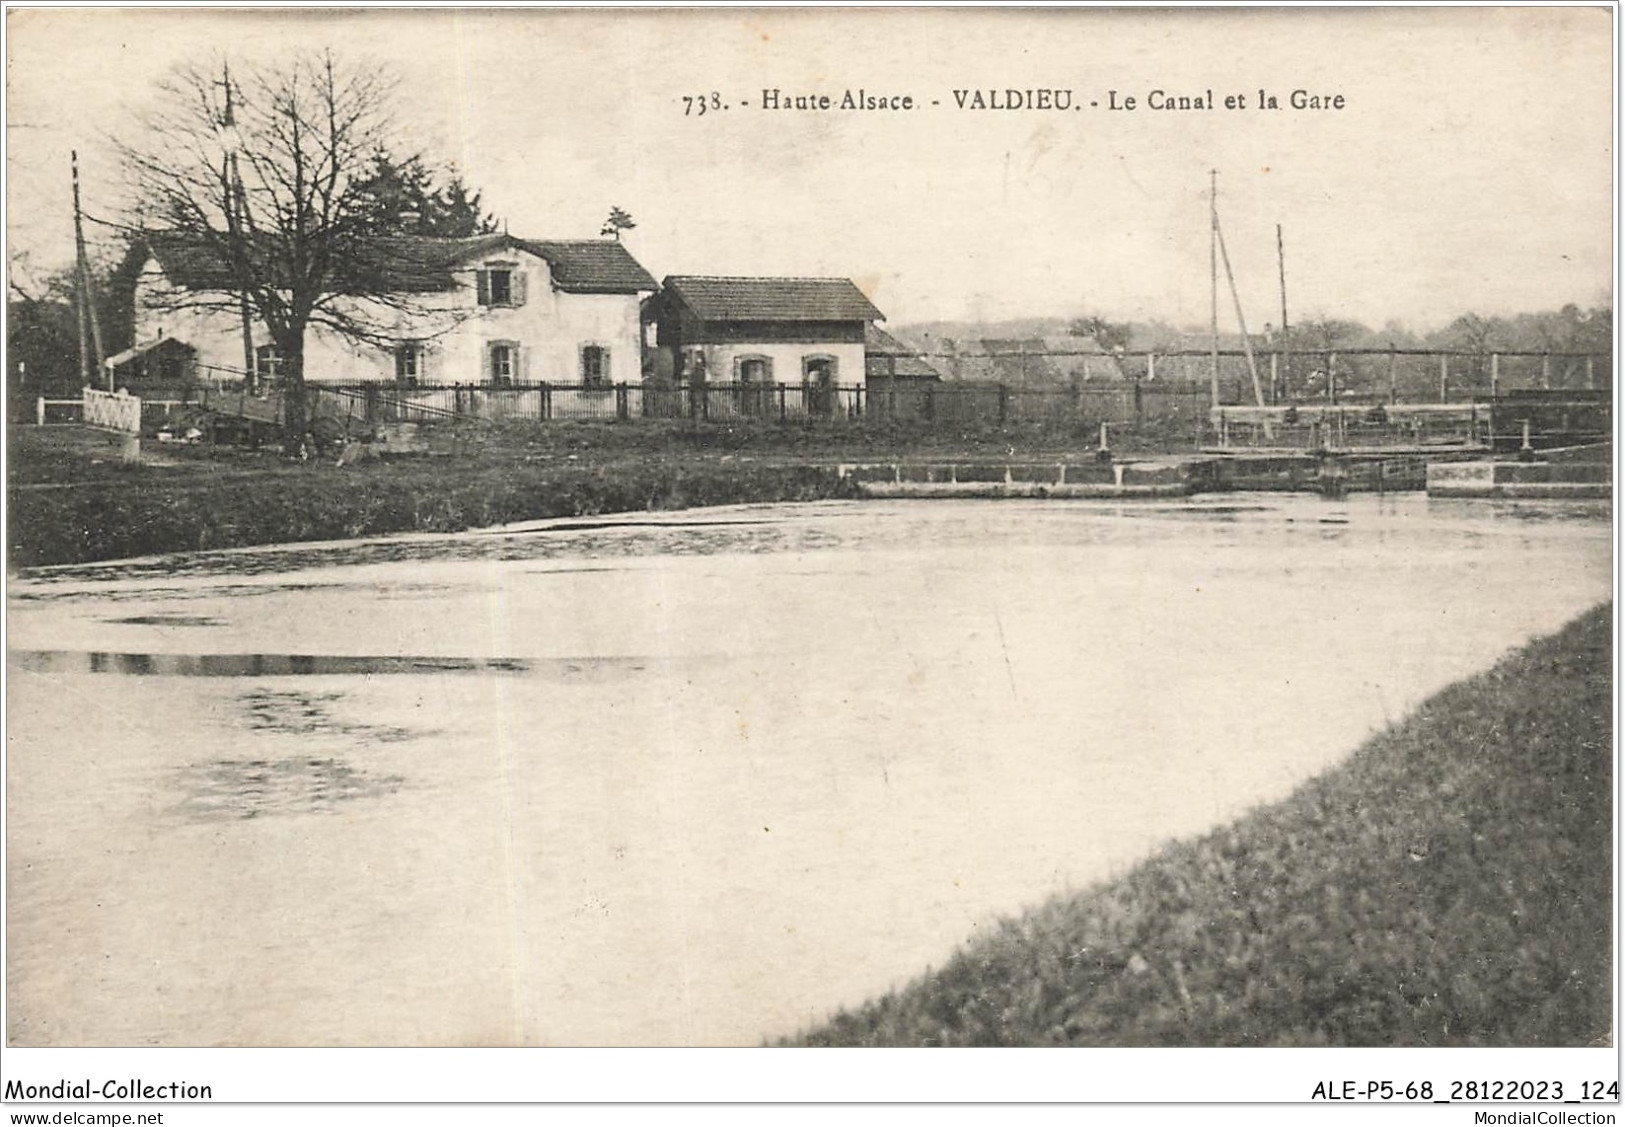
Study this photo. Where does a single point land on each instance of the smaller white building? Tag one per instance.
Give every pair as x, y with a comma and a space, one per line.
492, 310
763, 331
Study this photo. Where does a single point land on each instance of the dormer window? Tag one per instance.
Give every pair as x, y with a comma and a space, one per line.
501, 287
500, 284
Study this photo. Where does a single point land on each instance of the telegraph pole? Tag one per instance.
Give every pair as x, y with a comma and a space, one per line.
86, 301
233, 184
1213, 271
1286, 341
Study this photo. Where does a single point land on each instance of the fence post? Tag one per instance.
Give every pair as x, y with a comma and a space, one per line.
1150, 365
40, 409
1393, 375
1546, 371
1591, 373
621, 410
1495, 372
1331, 376
784, 411
1444, 378
1275, 377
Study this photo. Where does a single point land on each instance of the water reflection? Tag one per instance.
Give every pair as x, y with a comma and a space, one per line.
657, 785
229, 789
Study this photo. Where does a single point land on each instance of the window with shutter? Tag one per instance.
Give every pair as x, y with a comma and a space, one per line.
594, 365
501, 286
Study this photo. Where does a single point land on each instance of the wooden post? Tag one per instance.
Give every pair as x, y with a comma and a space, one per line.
783, 409
1444, 378
39, 407
1150, 365
1331, 376
1275, 377
1495, 373
622, 411
1393, 375
1546, 371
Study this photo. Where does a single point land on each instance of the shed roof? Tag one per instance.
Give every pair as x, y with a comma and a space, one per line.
156, 344
772, 299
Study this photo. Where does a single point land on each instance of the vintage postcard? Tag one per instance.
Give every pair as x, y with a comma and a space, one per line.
761, 529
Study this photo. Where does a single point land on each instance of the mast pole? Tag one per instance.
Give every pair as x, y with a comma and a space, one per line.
1286, 341
1213, 271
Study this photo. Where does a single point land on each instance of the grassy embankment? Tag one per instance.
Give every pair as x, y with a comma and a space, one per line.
1450, 884
74, 502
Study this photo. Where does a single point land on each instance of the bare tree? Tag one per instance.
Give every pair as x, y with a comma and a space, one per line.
264, 174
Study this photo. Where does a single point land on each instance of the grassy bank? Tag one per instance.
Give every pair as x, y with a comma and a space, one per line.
83, 509
72, 500
1450, 884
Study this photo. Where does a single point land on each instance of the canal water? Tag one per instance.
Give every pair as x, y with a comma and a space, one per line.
695, 778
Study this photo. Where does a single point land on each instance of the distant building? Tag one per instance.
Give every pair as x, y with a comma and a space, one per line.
887, 358
492, 309
1030, 361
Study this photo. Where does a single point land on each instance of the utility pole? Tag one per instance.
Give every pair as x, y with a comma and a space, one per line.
85, 301
1286, 339
233, 185
1213, 271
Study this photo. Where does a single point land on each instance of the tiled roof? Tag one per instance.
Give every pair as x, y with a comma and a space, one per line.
773, 299
592, 266
415, 263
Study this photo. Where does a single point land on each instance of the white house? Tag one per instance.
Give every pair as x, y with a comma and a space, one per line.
492, 309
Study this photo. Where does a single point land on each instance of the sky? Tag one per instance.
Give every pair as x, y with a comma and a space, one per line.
1470, 167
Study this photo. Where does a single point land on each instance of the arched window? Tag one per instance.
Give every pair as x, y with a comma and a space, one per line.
754, 369
502, 362
818, 384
